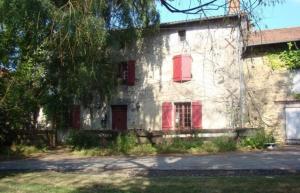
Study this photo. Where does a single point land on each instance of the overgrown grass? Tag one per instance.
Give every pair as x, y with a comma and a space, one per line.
55, 182
20, 151
127, 144
257, 140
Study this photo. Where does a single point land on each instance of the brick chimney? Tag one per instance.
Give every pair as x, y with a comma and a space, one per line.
233, 6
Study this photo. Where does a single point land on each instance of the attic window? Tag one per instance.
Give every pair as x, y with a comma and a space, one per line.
181, 34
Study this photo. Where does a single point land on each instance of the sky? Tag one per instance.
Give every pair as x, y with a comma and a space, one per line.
283, 15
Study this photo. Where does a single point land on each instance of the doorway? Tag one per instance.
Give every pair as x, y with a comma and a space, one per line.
119, 117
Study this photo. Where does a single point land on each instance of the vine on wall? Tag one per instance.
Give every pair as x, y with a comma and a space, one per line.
287, 59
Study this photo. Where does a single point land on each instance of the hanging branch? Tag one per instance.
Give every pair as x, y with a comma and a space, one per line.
247, 6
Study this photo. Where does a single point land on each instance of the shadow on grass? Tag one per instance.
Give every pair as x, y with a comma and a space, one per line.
80, 182
198, 184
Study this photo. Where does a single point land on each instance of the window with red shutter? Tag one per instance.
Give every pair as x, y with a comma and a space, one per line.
196, 114
167, 115
131, 73
127, 72
182, 68
183, 116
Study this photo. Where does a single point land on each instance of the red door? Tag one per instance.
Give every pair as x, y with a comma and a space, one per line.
75, 117
119, 117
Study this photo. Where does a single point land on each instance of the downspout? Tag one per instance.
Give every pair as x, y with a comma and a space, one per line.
241, 70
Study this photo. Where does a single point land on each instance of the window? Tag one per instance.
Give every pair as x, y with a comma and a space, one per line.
127, 72
183, 115
181, 34
123, 72
182, 68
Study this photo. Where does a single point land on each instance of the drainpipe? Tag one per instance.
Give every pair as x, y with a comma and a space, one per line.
241, 72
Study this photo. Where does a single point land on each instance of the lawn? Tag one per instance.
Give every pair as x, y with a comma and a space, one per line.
84, 182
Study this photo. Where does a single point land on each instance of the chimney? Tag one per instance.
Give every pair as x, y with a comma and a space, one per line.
233, 6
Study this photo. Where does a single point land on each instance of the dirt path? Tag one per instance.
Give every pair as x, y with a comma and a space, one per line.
284, 160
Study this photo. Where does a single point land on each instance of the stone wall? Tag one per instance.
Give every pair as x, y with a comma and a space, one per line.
265, 88
215, 76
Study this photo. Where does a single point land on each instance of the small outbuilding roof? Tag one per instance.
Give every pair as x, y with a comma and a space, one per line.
274, 36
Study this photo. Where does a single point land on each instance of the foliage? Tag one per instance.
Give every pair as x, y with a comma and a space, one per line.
20, 151
179, 145
125, 142
20, 92
291, 57
257, 140
275, 62
225, 144
83, 140
61, 52
143, 149
287, 59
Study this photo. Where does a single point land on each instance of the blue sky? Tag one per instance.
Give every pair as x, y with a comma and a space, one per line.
285, 14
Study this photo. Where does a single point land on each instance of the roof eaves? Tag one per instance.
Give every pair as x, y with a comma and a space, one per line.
275, 42
167, 24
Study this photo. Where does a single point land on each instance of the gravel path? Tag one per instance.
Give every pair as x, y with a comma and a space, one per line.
286, 160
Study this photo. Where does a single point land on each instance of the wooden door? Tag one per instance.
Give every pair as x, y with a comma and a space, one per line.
119, 117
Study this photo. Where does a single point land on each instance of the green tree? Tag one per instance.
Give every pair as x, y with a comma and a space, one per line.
61, 52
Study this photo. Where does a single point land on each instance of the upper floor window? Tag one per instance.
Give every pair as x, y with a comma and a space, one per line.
181, 34
182, 68
127, 72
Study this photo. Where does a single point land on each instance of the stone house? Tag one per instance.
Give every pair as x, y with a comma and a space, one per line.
206, 74
187, 76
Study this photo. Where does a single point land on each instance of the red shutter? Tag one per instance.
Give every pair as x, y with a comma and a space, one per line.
182, 68
75, 117
177, 68
166, 115
186, 67
131, 73
196, 114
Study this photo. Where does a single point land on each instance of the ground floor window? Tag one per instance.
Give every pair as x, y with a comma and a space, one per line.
183, 116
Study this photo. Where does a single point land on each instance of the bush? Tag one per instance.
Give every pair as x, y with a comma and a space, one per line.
19, 151
224, 144
125, 142
82, 140
180, 145
96, 151
209, 146
257, 140
143, 149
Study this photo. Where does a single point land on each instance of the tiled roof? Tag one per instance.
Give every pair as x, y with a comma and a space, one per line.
274, 36
167, 24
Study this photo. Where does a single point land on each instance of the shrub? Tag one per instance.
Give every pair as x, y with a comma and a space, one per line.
82, 139
125, 142
257, 140
209, 146
96, 151
224, 144
143, 149
19, 151
180, 145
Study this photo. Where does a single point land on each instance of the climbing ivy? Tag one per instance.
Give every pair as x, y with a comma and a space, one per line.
275, 62
287, 59
291, 57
